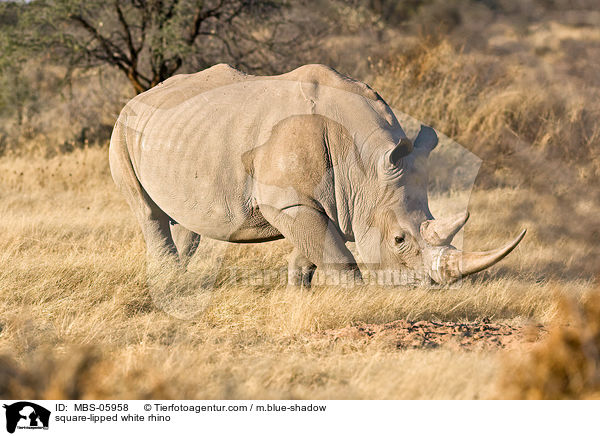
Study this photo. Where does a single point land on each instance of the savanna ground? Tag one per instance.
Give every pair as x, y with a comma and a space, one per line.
75, 295
75, 300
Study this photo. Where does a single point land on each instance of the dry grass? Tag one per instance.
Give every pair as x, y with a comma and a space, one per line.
500, 109
74, 299
567, 364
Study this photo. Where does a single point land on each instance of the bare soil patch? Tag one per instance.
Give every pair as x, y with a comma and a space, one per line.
470, 336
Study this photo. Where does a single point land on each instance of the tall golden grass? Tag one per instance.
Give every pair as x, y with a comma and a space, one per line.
74, 301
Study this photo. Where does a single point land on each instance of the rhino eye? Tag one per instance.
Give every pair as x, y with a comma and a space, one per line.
399, 239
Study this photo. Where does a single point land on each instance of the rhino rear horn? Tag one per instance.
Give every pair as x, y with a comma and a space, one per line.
441, 231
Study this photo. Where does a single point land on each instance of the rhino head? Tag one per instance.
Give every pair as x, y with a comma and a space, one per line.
400, 233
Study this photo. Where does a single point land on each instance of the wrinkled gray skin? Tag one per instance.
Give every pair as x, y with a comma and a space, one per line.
310, 155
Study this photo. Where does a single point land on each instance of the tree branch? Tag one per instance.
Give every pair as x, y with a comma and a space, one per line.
126, 29
201, 16
112, 51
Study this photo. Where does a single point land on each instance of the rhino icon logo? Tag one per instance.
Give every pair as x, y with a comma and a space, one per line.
26, 415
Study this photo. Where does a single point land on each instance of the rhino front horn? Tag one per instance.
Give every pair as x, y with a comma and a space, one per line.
451, 264
472, 262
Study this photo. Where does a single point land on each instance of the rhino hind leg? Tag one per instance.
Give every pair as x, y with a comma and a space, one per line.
154, 224
316, 239
153, 221
300, 269
185, 240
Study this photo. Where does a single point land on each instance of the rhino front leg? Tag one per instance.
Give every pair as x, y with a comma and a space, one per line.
300, 269
315, 237
185, 240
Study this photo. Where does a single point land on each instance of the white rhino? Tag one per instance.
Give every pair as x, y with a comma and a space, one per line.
309, 155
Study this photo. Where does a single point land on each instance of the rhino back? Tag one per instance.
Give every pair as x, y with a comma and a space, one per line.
187, 136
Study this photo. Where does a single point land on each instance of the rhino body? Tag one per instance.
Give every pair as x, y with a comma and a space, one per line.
309, 155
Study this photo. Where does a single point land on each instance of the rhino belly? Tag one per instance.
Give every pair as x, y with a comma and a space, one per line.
206, 198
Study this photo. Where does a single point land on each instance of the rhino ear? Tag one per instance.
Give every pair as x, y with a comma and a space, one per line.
426, 140
390, 165
403, 148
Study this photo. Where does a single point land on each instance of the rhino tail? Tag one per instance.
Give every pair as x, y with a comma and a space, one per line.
122, 168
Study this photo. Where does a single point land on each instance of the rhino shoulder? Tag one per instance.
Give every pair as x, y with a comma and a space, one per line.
294, 155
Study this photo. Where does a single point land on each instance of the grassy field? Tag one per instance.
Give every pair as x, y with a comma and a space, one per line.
75, 300
78, 318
